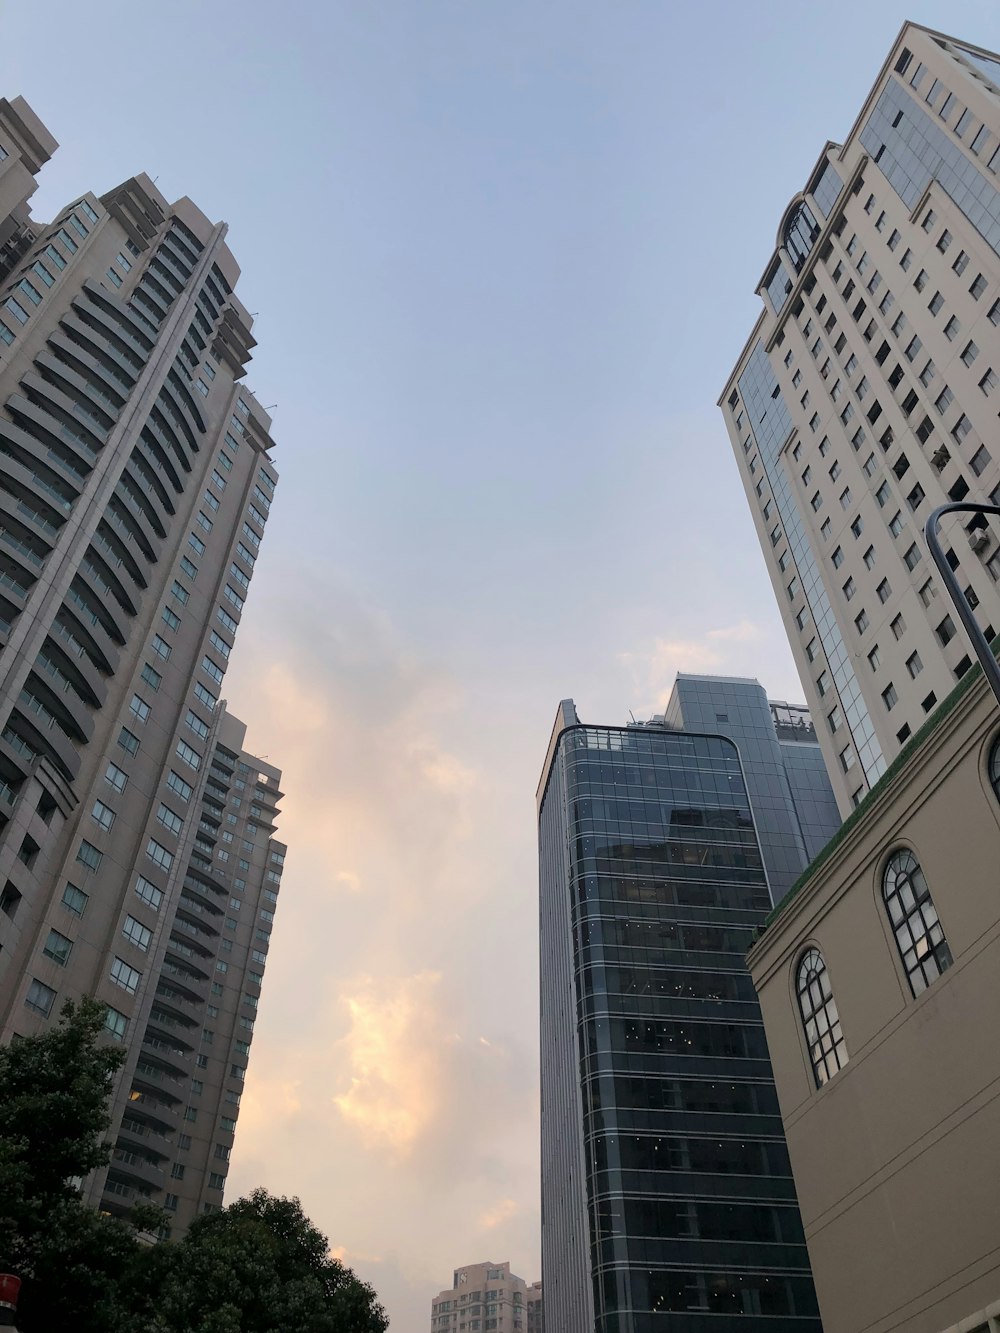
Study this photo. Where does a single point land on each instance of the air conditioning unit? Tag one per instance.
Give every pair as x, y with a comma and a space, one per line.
979, 540
940, 457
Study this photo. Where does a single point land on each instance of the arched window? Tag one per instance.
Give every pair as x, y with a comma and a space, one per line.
919, 935
995, 767
827, 1050
801, 231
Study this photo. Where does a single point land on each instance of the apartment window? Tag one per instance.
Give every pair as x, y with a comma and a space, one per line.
869, 558
89, 856
882, 495
811, 650
103, 814
151, 676
126, 977
58, 947
40, 998
212, 669
870, 466
148, 892
75, 900
978, 287
919, 934
961, 428
914, 665
970, 353
861, 621
189, 755
837, 558
169, 819
849, 589
874, 660
826, 527
196, 544
921, 280
952, 329
911, 557
898, 626
835, 471
988, 383
944, 400
139, 708
136, 933
197, 724
905, 260
916, 497
845, 498
889, 697
944, 240
980, 460
816, 502
935, 304
18, 311
205, 696
946, 630
159, 854
857, 527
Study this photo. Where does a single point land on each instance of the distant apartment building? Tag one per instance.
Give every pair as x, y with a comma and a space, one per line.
867, 395
488, 1298
667, 1196
878, 988
137, 852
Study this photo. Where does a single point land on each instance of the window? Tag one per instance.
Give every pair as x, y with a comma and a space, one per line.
952, 329
159, 854
89, 856
898, 626
946, 630
40, 998
826, 527
197, 725
151, 676
980, 460
136, 933
148, 892
139, 708
837, 557
884, 591
961, 428
970, 353
169, 819
882, 494
850, 588
874, 661
978, 287
126, 977
919, 935
861, 621
889, 697
58, 947
190, 756
869, 558
103, 814
857, 527
911, 557
845, 498
820, 1020
75, 900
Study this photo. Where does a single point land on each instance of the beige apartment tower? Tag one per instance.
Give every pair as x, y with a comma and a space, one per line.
867, 395
137, 852
488, 1298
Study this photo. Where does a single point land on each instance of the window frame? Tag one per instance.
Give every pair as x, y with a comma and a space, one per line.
902, 871
825, 1061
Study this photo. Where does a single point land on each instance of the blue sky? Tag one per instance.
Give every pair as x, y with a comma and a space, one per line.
502, 257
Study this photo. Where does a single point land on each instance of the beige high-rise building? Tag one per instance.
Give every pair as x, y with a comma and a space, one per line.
488, 1298
867, 394
137, 860
879, 985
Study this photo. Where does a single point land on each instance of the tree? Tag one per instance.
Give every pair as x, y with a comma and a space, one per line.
259, 1266
53, 1115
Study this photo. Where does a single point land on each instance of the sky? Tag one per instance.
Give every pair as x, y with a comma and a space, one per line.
502, 257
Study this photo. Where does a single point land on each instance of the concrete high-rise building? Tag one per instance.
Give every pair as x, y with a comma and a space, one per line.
867, 395
490, 1298
666, 1189
136, 854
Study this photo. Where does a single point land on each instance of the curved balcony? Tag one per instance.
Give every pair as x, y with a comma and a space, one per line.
145, 474
119, 1198
136, 1167
98, 593
102, 326
169, 258
154, 1078
159, 426
54, 694
93, 386
101, 569
71, 411
180, 1006
157, 456
116, 555
193, 949
35, 481
119, 317
179, 395
164, 1027
166, 1056
76, 338
69, 672
154, 1141
134, 500
193, 988
155, 293
52, 436
202, 934
38, 729
202, 902
131, 530
91, 629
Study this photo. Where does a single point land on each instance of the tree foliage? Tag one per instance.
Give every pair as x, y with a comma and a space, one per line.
258, 1266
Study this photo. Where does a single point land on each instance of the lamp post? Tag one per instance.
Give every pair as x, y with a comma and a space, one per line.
991, 669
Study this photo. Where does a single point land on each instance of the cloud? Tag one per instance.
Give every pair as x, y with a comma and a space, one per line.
394, 1076
499, 1213
717, 651
350, 879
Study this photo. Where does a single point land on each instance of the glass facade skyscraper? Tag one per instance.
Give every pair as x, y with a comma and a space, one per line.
667, 1197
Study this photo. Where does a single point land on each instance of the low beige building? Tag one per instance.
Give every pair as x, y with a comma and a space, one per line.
488, 1297
879, 981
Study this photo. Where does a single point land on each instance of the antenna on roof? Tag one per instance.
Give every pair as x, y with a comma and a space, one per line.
631, 715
